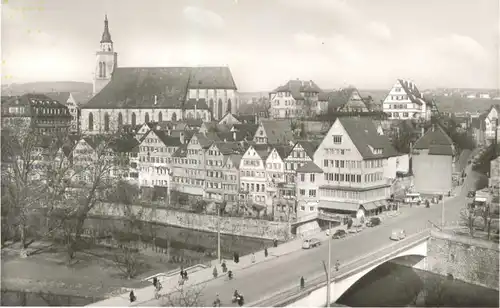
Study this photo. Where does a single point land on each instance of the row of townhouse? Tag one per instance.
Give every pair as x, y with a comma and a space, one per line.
485, 127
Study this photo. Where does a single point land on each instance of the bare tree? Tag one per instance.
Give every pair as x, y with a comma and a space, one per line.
25, 156
127, 258
468, 219
97, 165
183, 297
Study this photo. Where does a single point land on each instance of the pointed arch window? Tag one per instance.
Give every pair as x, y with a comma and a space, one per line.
120, 120
220, 109
146, 118
212, 105
174, 116
133, 120
103, 69
229, 107
99, 74
160, 117
91, 122
106, 122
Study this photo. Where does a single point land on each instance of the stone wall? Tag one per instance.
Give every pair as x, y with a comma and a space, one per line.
470, 260
228, 225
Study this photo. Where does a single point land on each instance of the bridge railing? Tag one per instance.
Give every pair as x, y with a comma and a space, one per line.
294, 293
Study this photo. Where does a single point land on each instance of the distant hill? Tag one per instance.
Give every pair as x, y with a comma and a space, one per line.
247, 96
50, 86
462, 104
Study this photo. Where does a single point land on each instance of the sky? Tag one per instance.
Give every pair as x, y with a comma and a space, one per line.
365, 43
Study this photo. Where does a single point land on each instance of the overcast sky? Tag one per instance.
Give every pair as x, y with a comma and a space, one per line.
366, 43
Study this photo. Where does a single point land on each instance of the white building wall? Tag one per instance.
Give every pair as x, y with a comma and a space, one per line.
253, 174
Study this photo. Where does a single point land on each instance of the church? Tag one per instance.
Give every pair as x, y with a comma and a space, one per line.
138, 95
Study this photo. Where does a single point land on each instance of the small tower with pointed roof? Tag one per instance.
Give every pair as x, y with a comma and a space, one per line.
106, 60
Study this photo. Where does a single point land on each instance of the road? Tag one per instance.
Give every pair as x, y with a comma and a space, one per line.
269, 277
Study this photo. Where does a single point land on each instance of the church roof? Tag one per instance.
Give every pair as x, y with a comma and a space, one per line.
158, 87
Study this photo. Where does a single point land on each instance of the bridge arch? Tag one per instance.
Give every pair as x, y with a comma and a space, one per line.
343, 282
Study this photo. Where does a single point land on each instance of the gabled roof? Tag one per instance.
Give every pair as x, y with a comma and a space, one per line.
227, 148
309, 167
250, 129
236, 159
263, 150
297, 87
167, 140
181, 151
61, 97
38, 100
206, 140
277, 131
283, 150
364, 135
413, 93
435, 139
309, 147
245, 118
125, 143
338, 99
158, 87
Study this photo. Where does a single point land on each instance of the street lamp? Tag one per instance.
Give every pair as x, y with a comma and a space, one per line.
218, 233
442, 211
328, 268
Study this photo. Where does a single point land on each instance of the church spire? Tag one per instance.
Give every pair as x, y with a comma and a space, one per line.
106, 37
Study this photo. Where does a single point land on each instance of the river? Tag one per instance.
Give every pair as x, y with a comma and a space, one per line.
391, 285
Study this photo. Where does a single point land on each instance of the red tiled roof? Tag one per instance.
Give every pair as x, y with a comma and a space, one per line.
158, 87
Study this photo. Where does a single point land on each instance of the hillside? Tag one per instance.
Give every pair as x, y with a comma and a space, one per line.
461, 104
42, 87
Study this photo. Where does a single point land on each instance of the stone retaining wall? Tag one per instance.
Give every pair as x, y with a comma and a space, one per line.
470, 260
228, 225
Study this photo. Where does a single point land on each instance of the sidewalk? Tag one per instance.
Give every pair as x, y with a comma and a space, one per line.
171, 283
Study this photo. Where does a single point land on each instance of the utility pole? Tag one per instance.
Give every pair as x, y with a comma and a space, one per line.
329, 272
218, 234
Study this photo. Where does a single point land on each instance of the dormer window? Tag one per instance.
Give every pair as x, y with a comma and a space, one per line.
337, 139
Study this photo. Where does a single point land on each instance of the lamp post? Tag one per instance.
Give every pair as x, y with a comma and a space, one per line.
328, 268
218, 234
442, 211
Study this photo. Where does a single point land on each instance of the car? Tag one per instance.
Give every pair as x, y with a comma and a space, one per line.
374, 221
398, 234
340, 233
310, 243
471, 194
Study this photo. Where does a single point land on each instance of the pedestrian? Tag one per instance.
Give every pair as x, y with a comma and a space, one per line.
132, 296
275, 242
224, 266
265, 252
155, 281
237, 258
302, 282
215, 273
337, 265
234, 257
253, 257
182, 272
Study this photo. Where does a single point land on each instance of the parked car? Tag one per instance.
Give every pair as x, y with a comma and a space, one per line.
398, 234
340, 233
374, 221
471, 194
413, 198
311, 243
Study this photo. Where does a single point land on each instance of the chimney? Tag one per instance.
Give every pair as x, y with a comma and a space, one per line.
234, 135
181, 137
156, 99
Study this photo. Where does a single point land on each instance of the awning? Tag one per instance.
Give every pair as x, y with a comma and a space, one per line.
371, 205
342, 206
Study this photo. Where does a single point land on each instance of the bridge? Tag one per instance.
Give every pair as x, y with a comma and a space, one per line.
314, 294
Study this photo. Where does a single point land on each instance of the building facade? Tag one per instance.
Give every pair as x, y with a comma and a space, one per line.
295, 99
131, 96
36, 112
253, 177
432, 162
405, 101
342, 101
353, 157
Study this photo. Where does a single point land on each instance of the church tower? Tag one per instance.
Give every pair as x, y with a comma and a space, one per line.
106, 60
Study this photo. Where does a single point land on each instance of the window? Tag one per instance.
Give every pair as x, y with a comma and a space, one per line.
302, 192
312, 178
337, 139
302, 208
311, 208
312, 192
302, 177
325, 163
